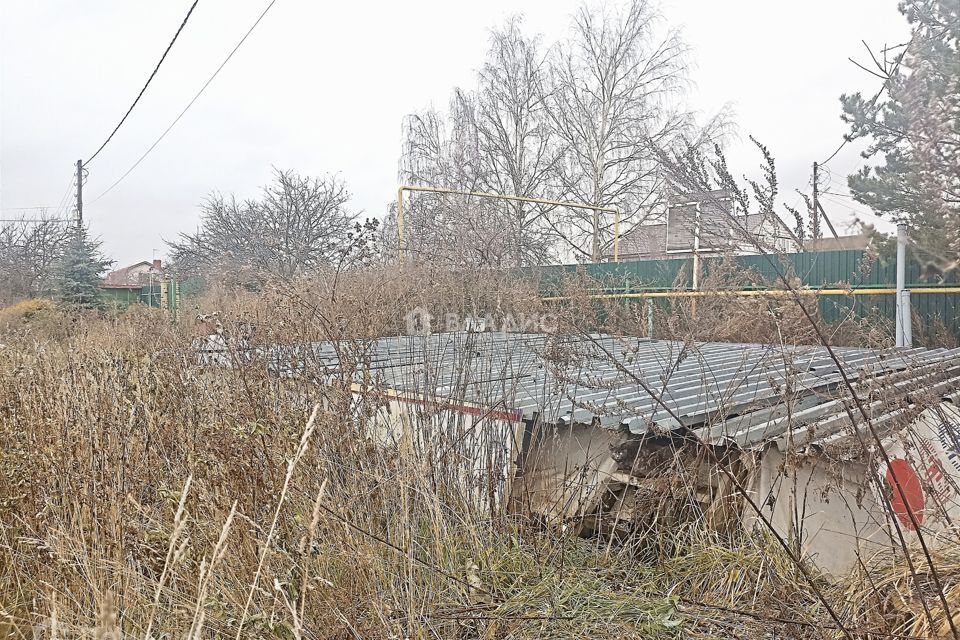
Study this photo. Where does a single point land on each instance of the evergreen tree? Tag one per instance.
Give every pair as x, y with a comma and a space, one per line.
81, 272
915, 131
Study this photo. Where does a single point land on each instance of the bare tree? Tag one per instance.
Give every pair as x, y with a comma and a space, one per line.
298, 225
517, 148
443, 151
580, 126
495, 139
614, 81
30, 250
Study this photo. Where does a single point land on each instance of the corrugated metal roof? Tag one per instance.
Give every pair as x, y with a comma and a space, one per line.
722, 392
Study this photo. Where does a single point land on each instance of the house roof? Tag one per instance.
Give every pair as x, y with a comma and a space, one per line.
125, 278
721, 392
646, 239
642, 240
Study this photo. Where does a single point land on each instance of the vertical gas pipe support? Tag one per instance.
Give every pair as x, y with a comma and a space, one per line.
400, 224
904, 328
696, 261
650, 318
616, 236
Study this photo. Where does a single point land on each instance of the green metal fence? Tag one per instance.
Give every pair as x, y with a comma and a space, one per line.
826, 269
161, 296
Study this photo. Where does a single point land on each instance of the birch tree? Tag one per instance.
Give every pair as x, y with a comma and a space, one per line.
442, 150
495, 139
518, 152
614, 82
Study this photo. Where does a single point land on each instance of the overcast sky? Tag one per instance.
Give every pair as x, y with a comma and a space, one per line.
323, 86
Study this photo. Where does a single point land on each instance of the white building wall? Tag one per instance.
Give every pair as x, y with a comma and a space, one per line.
826, 510
469, 448
925, 460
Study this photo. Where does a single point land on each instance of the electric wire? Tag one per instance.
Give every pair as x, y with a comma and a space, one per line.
147, 84
64, 199
841, 195
856, 211
189, 104
61, 202
34, 221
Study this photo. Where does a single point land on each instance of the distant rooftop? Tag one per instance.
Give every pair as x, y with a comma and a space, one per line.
133, 276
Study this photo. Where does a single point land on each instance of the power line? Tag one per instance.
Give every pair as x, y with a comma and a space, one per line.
833, 155
854, 207
35, 220
189, 104
61, 205
842, 195
140, 95
55, 209
857, 211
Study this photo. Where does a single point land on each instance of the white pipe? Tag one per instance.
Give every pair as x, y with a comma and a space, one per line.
904, 329
907, 319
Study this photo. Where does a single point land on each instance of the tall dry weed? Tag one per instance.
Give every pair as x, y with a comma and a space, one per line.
146, 494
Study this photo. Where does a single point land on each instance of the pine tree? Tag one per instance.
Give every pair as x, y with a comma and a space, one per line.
915, 130
81, 272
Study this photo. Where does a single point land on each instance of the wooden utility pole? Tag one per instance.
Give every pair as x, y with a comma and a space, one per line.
80, 194
818, 209
826, 219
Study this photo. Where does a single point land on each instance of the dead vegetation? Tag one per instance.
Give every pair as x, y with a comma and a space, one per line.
145, 494
716, 315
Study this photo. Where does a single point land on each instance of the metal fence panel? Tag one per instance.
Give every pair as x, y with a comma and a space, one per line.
822, 269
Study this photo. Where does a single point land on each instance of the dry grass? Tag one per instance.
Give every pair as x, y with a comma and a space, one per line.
143, 493
23, 314
766, 319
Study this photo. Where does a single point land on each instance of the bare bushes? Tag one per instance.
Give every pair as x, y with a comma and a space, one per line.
141, 490
102, 431
97, 449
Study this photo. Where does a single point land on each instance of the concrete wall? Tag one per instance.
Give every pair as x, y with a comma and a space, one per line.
468, 448
829, 511
925, 460
565, 470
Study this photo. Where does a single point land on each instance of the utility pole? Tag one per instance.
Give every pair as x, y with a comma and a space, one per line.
80, 194
818, 209
830, 226
815, 213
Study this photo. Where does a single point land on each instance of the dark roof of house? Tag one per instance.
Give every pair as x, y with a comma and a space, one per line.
722, 392
643, 240
125, 278
647, 239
